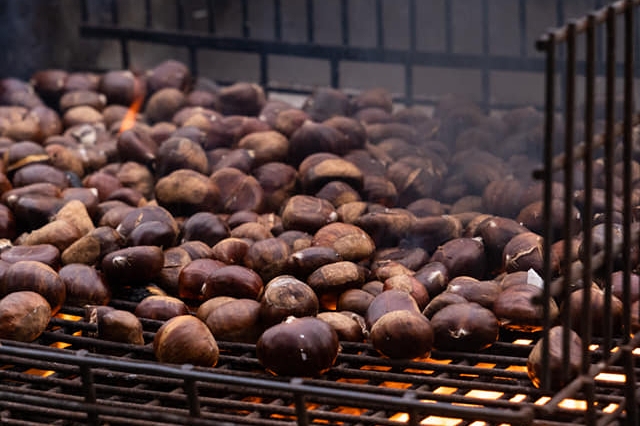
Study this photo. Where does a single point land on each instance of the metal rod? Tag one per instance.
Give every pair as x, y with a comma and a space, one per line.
179, 15
148, 14
486, 81
344, 19
246, 27
211, 16
379, 24
569, 124
522, 18
448, 27
608, 170
629, 94
310, 22
546, 211
277, 19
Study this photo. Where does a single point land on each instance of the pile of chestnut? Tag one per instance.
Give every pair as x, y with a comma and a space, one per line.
254, 220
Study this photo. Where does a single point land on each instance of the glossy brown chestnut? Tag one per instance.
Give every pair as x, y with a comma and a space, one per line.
516, 309
349, 241
402, 334
161, 308
388, 301
186, 340
185, 192
232, 280
558, 375
298, 347
465, 327
133, 265
24, 315
116, 325
92, 247
30, 275
237, 320
307, 213
462, 256
408, 283
349, 326
355, 300
84, 285
193, 275
483, 292
440, 301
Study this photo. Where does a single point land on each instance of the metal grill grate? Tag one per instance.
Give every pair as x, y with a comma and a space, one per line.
98, 382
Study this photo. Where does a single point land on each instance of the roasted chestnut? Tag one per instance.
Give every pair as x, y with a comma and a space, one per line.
402, 334
466, 327
24, 315
559, 376
185, 339
304, 346
286, 296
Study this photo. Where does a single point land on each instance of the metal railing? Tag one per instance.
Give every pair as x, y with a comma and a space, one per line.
600, 261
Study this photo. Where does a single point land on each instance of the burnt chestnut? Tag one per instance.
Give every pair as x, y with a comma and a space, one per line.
286, 296
30, 275
133, 265
559, 376
24, 315
462, 256
84, 285
465, 327
402, 334
186, 340
236, 320
298, 347
232, 280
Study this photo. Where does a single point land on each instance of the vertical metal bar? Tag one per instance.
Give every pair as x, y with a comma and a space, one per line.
310, 19
334, 65
115, 16
246, 28
84, 10
191, 391
264, 71
587, 213
277, 20
630, 385
549, 102
344, 13
301, 407
88, 388
486, 81
522, 17
148, 15
179, 15
193, 60
569, 120
560, 19
408, 67
448, 27
608, 169
211, 16
379, 25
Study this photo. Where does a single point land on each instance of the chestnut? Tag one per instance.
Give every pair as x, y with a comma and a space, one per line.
286, 296
349, 241
232, 280
304, 346
45, 253
466, 327
462, 256
192, 277
133, 265
402, 334
185, 339
349, 326
516, 309
230, 250
84, 285
387, 301
355, 300
31, 275
161, 308
268, 257
92, 247
597, 308
307, 213
236, 320
559, 376
440, 301
434, 276
116, 325
337, 277
482, 292
303, 262
408, 283
24, 315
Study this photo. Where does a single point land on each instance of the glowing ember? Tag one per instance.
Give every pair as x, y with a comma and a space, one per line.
543, 400
485, 365
518, 398
440, 421
38, 372
517, 368
522, 342
477, 393
610, 408
573, 404
445, 390
396, 385
68, 317
611, 377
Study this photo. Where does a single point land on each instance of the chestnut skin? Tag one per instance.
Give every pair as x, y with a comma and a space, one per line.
466, 327
557, 372
286, 296
304, 347
84, 285
116, 325
402, 334
161, 308
235, 320
185, 339
24, 315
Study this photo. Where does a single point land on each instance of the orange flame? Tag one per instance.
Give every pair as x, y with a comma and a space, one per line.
129, 119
